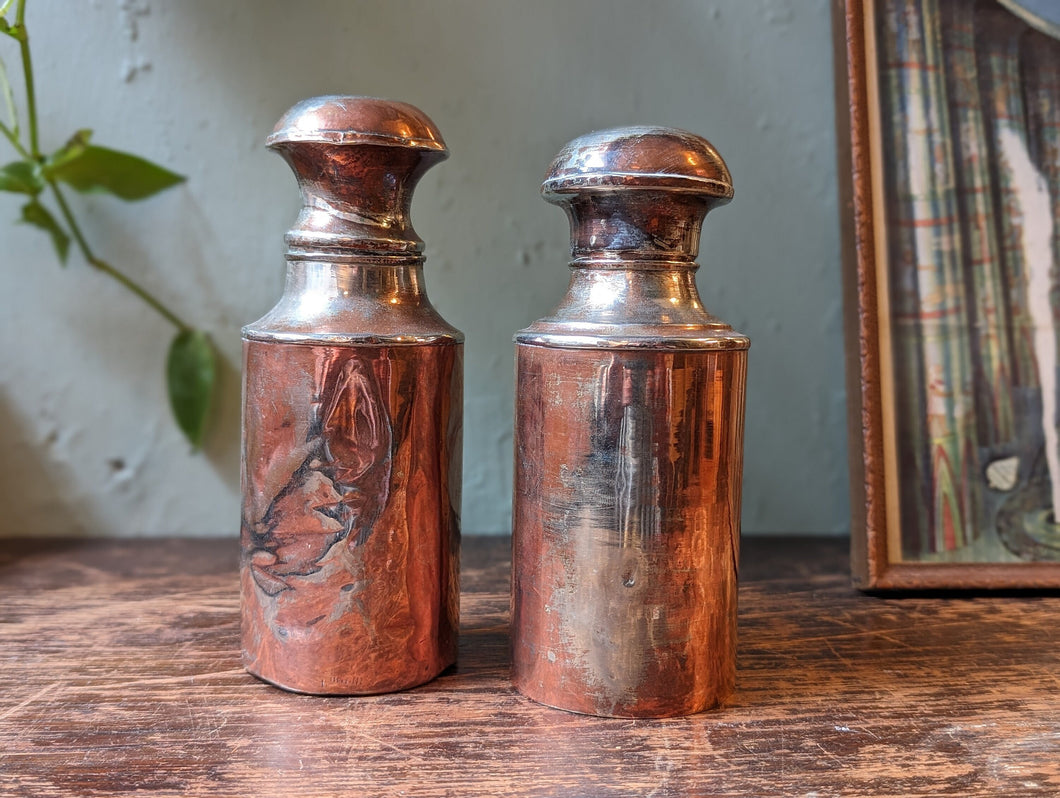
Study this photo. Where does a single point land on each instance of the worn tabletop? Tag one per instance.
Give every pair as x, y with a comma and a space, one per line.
120, 674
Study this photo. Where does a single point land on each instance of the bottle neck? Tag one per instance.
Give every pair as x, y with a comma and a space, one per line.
624, 292
314, 281
356, 301
356, 199
632, 304
633, 226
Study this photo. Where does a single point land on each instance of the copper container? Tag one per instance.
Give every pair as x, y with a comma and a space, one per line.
352, 408
629, 444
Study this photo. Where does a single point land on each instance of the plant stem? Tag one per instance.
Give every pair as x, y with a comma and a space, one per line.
35, 153
9, 101
27, 71
106, 268
9, 134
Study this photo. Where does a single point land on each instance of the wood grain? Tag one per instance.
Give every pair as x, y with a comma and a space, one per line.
120, 675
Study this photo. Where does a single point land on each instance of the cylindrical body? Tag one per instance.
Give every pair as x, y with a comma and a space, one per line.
628, 445
352, 408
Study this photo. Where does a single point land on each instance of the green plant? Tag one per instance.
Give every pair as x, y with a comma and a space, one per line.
191, 364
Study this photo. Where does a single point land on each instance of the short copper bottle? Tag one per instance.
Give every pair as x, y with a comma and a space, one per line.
628, 444
352, 409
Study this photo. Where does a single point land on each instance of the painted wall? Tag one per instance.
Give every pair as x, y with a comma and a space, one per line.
86, 442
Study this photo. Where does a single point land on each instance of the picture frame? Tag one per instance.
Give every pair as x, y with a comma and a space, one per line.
947, 491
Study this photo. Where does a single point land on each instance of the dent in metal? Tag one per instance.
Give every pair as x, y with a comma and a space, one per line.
352, 419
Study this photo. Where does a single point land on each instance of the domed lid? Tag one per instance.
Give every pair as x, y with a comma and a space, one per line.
639, 157
336, 119
637, 193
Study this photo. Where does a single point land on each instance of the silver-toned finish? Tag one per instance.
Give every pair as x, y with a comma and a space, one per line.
633, 268
645, 157
355, 273
354, 303
352, 421
629, 444
610, 307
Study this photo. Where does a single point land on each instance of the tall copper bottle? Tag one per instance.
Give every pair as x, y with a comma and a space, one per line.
628, 444
352, 409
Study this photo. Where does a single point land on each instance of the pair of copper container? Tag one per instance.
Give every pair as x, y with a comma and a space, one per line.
628, 433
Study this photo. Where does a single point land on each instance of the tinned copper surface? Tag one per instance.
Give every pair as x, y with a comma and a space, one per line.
628, 444
350, 527
352, 421
627, 511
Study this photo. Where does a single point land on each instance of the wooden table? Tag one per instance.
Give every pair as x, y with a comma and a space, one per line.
120, 674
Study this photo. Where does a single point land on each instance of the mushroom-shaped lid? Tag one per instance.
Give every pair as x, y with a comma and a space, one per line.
637, 193
636, 198
336, 119
357, 161
639, 157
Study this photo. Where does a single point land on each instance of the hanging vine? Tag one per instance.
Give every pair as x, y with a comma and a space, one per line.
191, 363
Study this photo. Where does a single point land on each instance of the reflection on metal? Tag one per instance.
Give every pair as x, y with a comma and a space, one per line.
628, 444
352, 422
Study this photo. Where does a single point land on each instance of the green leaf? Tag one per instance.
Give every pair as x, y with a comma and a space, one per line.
98, 169
191, 370
74, 148
37, 215
22, 177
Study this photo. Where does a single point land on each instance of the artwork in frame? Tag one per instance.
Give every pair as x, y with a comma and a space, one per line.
949, 129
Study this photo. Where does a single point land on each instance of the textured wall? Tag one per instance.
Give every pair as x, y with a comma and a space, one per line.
86, 444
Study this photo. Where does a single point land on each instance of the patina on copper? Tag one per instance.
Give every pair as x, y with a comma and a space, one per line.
352, 410
629, 444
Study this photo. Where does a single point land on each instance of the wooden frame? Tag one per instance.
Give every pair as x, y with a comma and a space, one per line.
876, 558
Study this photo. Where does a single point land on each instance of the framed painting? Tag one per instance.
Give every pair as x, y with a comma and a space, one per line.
949, 121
